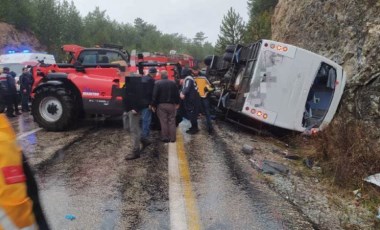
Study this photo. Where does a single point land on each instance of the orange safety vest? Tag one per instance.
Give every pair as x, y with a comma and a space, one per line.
16, 208
202, 83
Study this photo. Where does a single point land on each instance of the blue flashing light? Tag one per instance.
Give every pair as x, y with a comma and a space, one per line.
11, 51
26, 51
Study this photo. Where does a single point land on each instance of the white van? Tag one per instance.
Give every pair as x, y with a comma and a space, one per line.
283, 86
16, 61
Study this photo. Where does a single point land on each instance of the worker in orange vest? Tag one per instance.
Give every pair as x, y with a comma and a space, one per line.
19, 203
204, 89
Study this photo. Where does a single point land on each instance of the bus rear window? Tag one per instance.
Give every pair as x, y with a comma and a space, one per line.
320, 96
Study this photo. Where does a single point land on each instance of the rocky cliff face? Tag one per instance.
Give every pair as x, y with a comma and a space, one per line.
11, 38
347, 31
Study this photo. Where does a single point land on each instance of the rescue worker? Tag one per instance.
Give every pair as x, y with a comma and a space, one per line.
19, 203
3, 92
189, 95
13, 92
2, 97
204, 89
6, 81
146, 113
166, 101
26, 83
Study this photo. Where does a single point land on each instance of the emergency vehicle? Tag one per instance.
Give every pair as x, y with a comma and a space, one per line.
278, 85
172, 63
16, 61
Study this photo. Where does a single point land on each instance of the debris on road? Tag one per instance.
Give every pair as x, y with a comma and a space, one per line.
308, 162
286, 154
357, 193
277, 151
247, 149
270, 167
70, 217
292, 157
374, 179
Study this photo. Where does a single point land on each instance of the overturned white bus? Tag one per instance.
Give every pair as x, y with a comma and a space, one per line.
278, 84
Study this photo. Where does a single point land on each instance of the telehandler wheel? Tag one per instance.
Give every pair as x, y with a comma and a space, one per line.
53, 108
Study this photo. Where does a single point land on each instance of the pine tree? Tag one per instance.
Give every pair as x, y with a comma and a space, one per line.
260, 15
148, 37
98, 28
71, 23
46, 18
231, 31
199, 38
17, 13
58, 22
256, 7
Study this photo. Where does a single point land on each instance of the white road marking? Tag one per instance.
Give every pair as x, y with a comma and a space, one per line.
176, 199
22, 135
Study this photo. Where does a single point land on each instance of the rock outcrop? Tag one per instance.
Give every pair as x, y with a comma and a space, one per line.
13, 39
346, 31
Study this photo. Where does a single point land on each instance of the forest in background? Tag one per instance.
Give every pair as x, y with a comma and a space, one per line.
59, 22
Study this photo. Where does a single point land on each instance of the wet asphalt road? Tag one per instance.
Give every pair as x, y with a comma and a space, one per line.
83, 173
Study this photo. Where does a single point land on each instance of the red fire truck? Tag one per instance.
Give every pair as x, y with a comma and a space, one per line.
173, 63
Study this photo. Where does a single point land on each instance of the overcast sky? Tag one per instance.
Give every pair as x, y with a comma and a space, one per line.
186, 17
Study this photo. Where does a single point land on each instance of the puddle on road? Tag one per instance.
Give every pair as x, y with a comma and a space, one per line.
28, 143
82, 180
112, 213
23, 123
157, 217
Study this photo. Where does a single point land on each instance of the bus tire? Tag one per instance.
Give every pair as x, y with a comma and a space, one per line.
230, 48
208, 60
228, 57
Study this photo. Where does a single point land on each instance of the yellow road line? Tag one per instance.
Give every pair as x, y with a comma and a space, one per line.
176, 198
190, 201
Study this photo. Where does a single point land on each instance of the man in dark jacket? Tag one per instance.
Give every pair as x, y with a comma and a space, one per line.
146, 113
133, 107
26, 82
3, 93
9, 88
166, 102
3, 104
191, 99
13, 91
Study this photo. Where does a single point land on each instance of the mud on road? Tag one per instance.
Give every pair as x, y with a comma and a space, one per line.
90, 179
302, 188
83, 172
230, 193
145, 189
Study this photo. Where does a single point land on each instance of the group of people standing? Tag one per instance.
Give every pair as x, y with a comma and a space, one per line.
168, 100
9, 90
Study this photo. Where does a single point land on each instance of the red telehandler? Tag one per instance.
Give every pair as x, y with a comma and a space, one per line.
90, 83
